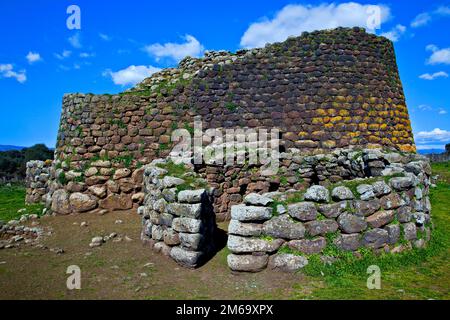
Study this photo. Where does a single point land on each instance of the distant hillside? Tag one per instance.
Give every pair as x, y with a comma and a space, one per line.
8, 147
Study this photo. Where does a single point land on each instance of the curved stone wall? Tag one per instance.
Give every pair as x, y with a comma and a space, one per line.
323, 90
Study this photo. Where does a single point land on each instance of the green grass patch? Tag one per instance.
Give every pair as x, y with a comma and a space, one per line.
12, 199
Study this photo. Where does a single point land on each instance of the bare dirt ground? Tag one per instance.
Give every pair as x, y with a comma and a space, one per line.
128, 269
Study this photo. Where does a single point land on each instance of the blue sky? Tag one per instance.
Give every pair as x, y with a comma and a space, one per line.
120, 43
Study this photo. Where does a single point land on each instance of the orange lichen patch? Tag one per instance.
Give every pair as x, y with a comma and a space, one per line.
328, 144
374, 139
347, 119
343, 113
303, 134
332, 112
336, 119
407, 148
328, 125
362, 126
354, 134
326, 119
317, 121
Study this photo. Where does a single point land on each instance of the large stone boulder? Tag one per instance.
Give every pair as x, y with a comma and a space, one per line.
321, 227
250, 213
318, 194
238, 244
284, 227
191, 196
342, 193
257, 199
247, 262
187, 258
60, 202
350, 223
80, 202
380, 218
287, 262
303, 211
116, 202
308, 246
245, 229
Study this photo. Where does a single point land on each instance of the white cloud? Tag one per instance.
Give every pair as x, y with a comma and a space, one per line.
86, 55
63, 55
75, 40
292, 20
33, 57
442, 111
176, 51
435, 135
104, 37
131, 75
440, 74
7, 71
425, 17
424, 107
421, 20
439, 55
395, 33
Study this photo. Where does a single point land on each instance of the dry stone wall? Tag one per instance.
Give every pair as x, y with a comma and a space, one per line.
38, 174
323, 90
178, 219
281, 230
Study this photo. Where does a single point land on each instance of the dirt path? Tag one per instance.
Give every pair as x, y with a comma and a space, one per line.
126, 269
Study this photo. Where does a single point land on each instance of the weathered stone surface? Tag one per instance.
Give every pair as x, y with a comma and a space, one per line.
160, 205
318, 194
121, 173
186, 225
393, 233
375, 238
161, 247
101, 164
348, 242
169, 182
366, 191
391, 201
342, 193
321, 227
244, 229
250, 213
116, 202
402, 183
60, 202
284, 227
157, 232
380, 188
365, 208
192, 241
308, 246
98, 191
350, 223
191, 196
287, 262
80, 202
238, 244
171, 237
257, 199
185, 209
404, 214
380, 218
170, 195
303, 211
190, 259
410, 231
333, 210
247, 262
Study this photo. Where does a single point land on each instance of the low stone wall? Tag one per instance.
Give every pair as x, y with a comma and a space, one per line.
37, 180
281, 230
178, 218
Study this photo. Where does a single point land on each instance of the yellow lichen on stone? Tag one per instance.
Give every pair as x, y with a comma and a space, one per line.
343, 113
336, 119
374, 127
317, 121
